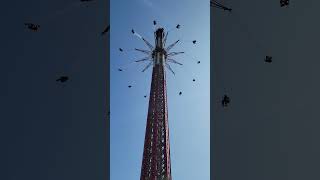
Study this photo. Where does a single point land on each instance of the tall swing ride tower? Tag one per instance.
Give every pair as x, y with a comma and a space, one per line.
156, 154
156, 163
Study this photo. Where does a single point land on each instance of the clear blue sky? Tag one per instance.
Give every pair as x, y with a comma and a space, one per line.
189, 115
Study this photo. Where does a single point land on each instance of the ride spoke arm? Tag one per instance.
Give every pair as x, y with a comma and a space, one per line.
175, 53
174, 61
143, 51
147, 43
172, 45
144, 59
147, 66
169, 67
165, 39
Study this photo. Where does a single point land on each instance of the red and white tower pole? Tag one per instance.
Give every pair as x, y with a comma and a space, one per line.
156, 155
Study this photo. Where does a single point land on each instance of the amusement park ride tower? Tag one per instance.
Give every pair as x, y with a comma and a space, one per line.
156, 155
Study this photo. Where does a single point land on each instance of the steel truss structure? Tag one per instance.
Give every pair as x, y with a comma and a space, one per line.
156, 164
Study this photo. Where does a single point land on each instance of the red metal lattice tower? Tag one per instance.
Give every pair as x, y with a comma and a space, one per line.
156, 155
